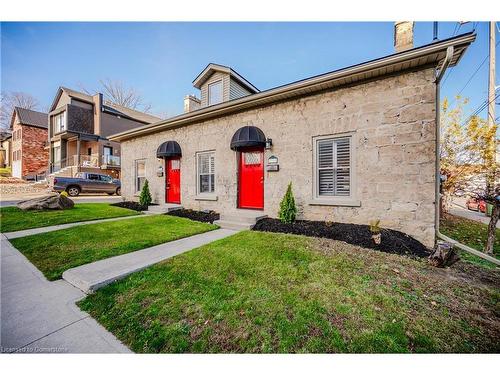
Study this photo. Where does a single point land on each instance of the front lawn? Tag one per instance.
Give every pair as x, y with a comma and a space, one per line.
261, 292
13, 219
471, 233
55, 252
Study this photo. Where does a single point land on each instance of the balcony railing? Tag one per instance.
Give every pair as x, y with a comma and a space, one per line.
86, 161
111, 160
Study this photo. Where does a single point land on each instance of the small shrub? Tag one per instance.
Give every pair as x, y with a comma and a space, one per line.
375, 226
145, 197
288, 210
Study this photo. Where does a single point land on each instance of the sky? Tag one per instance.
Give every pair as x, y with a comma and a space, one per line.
161, 60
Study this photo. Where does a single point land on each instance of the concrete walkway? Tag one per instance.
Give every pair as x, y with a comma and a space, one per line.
38, 316
93, 276
29, 232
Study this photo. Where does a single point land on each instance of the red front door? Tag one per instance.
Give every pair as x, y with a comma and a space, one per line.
173, 181
251, 179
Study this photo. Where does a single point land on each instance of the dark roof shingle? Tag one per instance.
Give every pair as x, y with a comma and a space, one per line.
32, 118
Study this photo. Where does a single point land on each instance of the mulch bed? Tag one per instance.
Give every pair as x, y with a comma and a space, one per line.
131, 205
392, 241
203, 216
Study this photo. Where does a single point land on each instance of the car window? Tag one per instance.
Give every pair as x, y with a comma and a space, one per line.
93, 177
105, 178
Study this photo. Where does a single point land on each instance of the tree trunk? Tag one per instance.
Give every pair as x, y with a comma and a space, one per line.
492, 229
444, 255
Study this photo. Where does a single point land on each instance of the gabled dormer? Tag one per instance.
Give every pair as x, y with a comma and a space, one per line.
218, 84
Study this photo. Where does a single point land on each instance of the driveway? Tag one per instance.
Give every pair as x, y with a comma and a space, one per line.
38, 316
458, 209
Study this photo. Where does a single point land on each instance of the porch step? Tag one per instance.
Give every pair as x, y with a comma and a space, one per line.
233, 225
240, 220
164, 208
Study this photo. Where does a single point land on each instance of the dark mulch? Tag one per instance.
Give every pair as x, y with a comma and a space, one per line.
392, 241
203, 216
131, 205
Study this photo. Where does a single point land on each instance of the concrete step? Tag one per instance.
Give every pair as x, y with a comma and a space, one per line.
247, 217
233, 225
164, 208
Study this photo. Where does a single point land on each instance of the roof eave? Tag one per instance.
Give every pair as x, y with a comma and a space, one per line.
278, 93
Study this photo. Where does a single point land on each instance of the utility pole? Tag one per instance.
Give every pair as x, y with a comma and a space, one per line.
491, 78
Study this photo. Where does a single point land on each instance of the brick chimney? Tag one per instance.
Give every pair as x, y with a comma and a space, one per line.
403, 35
191, 103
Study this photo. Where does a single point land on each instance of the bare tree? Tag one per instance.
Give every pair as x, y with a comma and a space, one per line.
116, 92
12, 99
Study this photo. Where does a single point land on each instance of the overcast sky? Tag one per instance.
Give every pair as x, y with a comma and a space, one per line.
161, 60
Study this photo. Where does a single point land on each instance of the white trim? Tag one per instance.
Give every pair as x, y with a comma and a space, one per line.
206, 197
221, 91
200, 195
136, 161
351, 200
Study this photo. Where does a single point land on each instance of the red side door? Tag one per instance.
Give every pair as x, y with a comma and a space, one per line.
173, 181
251, 179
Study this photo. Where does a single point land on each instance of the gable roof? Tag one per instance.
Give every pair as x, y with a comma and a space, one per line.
109, 107
31, 118
427, 56
212, 68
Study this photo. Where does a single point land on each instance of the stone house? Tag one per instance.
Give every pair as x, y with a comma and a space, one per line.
358, 144
29, 136
78, 133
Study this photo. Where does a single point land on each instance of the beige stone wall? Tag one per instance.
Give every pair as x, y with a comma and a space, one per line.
394, 123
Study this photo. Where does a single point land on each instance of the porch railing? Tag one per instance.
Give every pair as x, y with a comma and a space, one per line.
111, 160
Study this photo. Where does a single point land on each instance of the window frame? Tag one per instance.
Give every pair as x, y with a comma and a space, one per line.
335, 200
136, 175
199, 193
219, 81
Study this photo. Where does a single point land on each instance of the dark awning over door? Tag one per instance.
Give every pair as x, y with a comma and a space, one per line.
248, 136
169, 149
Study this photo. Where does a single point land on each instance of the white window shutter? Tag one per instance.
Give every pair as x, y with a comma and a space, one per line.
334, 167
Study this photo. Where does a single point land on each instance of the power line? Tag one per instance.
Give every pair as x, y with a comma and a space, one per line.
480, 109
472, 76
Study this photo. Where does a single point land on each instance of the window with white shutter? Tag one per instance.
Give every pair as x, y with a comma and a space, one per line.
333, 167
206, 172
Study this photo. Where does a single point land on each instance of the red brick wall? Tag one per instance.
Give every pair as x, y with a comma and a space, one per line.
34, 156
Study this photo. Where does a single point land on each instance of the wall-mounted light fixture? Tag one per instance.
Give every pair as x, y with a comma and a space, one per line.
159, 171
269, 143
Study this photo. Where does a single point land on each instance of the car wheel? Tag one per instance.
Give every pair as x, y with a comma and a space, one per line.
118, 191
73, 191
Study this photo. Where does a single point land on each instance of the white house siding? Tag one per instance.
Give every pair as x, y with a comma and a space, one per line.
236, 90
394, 123
217, 76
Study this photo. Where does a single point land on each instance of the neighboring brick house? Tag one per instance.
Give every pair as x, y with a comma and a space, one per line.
78, 133
358, 143
29, 137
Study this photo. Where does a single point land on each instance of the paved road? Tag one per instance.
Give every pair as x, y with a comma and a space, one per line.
458, 208
12, 201
39, 316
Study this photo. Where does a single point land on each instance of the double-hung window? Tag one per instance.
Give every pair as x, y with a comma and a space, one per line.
206, 172
334, 164
215, 93
140, 174
59, 122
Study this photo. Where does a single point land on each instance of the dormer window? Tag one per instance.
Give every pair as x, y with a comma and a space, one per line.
215, 93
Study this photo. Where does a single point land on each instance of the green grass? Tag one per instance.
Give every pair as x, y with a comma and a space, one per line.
13, 219
275, 293
471, 233
55, 252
